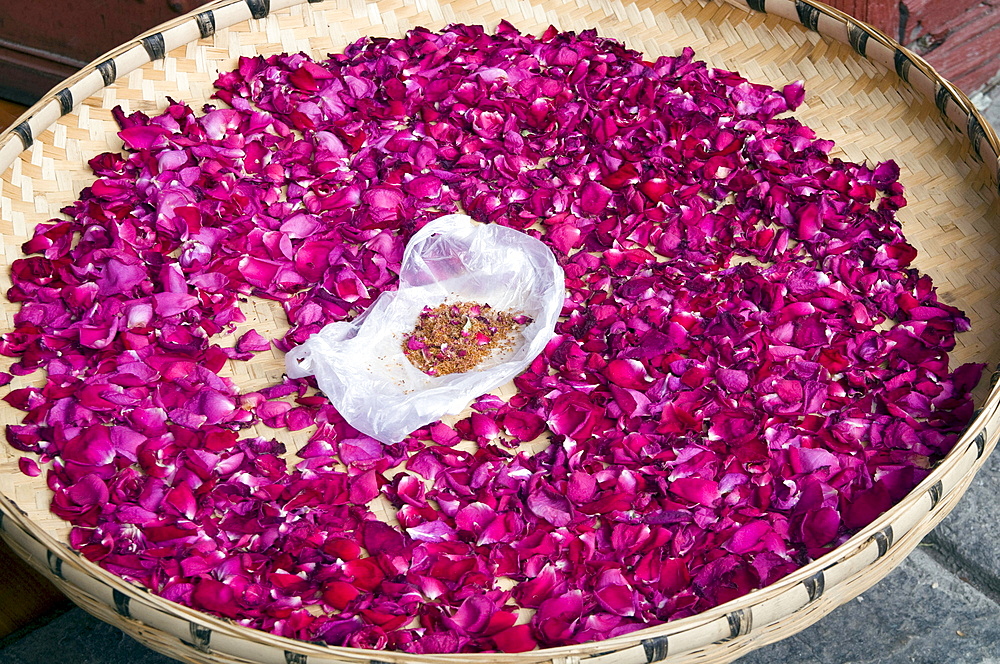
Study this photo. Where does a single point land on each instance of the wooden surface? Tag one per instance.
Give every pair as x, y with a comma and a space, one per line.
883, 14
961, 38
25, 596
8, 113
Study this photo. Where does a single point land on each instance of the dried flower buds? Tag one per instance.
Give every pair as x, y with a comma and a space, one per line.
455, 338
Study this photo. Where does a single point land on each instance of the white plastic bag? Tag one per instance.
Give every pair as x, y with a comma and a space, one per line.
360, 365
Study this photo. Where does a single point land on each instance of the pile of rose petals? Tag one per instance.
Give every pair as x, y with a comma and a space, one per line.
748, 369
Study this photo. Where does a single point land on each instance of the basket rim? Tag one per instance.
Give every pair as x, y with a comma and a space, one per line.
974, 439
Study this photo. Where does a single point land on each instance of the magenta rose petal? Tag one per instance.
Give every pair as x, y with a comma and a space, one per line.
748, 369
29, 467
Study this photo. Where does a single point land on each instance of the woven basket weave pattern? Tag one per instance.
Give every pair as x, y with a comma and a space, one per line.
874, 99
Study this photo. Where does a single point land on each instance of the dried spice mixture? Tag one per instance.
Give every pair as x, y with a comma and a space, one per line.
455, 338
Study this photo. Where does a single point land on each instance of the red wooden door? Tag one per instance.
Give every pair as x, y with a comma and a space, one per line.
883, 14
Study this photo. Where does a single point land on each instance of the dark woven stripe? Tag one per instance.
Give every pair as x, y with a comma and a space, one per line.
942, 98
815, 585
201, 636
206, 23
109, 72
65, 99
975, 132
656, 648
903, 64
980, 440
935, 493
883, 540
259, 8
808, 15
55, 564
757, 5
858, 37
121, 601
155, 48
740, 622
24, 131
2, 517
313, 2
295, 658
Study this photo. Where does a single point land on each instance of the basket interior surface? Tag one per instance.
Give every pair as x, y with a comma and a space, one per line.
870, 113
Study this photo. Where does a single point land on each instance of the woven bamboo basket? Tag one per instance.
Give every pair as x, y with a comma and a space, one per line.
874, 98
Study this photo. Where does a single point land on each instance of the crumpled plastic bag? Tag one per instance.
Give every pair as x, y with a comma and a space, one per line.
360, 364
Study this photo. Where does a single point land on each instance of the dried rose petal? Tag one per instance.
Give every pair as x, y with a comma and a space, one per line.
747, 372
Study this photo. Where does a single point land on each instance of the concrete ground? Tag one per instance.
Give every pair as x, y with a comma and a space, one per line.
987, 99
